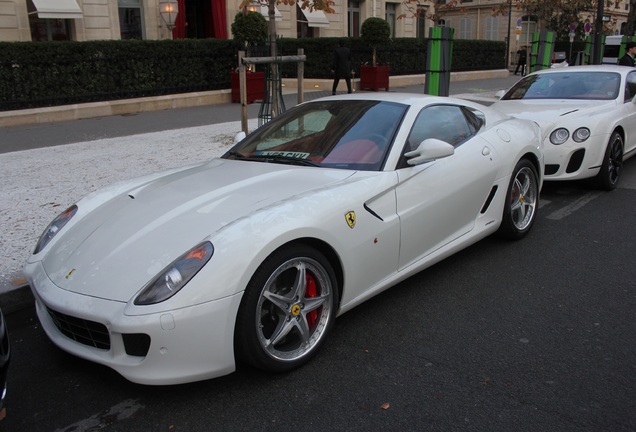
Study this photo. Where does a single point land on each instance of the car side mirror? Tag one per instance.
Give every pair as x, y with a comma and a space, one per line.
500, 94
239, 137
430, 149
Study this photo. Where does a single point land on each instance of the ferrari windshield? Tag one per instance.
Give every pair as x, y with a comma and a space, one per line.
347, 134
567, 85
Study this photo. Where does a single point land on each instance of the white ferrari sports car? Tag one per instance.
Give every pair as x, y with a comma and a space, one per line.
587, 115
249, 258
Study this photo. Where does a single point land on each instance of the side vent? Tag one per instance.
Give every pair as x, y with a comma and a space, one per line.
372, 212
493, 191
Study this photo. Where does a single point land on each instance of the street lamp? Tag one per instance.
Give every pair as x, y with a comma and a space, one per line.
253, 6
169, 9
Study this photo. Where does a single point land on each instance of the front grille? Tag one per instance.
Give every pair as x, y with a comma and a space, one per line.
80, 330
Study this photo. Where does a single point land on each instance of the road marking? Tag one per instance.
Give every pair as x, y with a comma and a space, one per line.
576, 205
106, 418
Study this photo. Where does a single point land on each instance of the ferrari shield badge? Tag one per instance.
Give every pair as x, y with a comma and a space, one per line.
350, 217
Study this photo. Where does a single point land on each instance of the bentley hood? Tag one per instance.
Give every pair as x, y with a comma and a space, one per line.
112, 250
550, 113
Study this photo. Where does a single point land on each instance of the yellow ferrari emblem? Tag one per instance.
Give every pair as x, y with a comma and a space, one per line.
68, 275
295, 310
350, 217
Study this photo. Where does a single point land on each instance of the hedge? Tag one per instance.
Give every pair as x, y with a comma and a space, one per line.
58, 73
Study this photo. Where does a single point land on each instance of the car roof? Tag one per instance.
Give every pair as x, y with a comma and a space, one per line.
587, 68
412, 99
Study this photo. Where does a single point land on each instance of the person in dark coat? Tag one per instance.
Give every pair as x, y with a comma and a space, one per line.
521, 60
341, 66
628, 58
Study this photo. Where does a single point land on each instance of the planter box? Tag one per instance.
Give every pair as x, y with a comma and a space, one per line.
255, 85
374, 77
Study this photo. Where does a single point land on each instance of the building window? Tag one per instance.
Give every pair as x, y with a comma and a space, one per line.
354, 18
130, 19
492, 29
421, 23
43, 30
390, 17
528, 27
465, 28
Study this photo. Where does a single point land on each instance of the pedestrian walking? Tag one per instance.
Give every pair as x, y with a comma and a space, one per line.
341, 66
522, 53
628, 58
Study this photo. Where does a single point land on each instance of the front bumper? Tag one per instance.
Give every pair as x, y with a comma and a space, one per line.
574, 161
185, 345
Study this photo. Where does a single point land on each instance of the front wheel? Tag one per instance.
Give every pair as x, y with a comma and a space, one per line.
521, 204
610, 173
287, 310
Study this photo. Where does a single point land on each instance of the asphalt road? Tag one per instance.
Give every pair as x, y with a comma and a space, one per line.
534, 335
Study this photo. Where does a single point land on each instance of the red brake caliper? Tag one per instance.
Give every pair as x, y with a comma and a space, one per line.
311, 291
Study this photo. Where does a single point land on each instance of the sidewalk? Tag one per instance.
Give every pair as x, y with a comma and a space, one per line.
55, 163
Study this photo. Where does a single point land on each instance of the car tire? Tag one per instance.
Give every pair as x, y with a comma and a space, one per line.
610, 173
287, 310
521, 202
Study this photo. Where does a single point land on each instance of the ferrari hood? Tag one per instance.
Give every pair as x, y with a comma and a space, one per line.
548, 113
113, 250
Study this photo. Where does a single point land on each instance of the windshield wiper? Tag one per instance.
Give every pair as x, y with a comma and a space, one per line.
281, 159
273, 158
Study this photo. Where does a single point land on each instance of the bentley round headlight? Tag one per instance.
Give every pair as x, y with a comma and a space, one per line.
559, 136
581, 134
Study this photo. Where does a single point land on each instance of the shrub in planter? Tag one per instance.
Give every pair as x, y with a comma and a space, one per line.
375, 31
249, 30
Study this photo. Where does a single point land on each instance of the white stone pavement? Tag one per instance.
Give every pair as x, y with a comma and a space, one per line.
39, 184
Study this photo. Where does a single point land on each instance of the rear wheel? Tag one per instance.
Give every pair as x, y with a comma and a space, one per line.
287, 310
522, 199
610, 173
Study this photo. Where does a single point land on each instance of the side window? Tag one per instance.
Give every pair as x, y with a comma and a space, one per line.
444, 122
630, 86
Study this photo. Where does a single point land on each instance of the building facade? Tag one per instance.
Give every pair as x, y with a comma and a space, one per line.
82, 20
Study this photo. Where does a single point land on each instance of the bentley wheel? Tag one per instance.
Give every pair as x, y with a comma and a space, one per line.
610, 172
520, 208
287, 310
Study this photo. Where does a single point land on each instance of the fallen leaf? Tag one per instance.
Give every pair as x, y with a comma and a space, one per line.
385, 406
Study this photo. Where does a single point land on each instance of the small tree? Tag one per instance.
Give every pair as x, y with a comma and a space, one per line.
323, 5
375, 31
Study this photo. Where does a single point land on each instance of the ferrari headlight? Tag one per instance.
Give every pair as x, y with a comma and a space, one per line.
176, 275
559, 136
581, 134
55, 227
